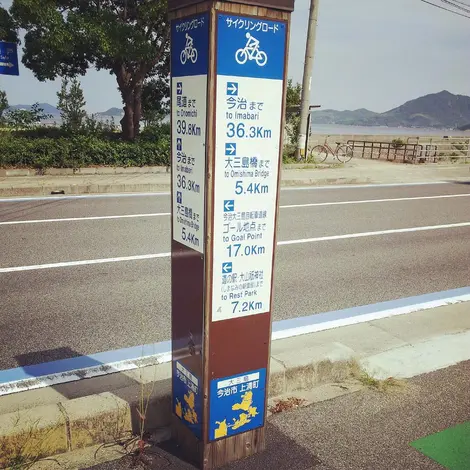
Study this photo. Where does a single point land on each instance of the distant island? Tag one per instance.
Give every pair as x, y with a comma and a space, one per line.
442, 110
55, 113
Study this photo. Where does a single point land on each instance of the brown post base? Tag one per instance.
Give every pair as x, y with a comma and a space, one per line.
219, 453
231, 449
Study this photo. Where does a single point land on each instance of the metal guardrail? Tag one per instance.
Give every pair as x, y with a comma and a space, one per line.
415, 149
388, 150
435, 149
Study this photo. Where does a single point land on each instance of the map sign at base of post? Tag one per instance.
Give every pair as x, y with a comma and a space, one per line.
9, 58
187, 398
189, 66
237, 404
250, 83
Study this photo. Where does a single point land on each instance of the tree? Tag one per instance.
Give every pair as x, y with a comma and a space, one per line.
130, 38
8, 31
71, 105
26, 118
3, 105
293, 99
155, 100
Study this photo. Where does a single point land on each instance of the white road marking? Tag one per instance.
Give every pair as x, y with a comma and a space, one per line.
370, 201
81, 196
289, 206
135, 357
288, 188
373, 234
281, 243
81, 219
361, 186
85, 262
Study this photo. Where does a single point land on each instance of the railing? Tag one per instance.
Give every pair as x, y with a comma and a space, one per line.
388, 150
415, 149
435, 149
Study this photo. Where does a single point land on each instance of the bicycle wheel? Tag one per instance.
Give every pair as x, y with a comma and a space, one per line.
261, 59
241, 56
344, 153
318, 154
194, 56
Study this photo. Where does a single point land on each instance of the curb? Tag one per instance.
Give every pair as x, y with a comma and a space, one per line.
105, 418
399, 346
76, 189
48, 430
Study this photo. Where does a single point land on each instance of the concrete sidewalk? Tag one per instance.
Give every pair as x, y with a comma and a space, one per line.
69, 417
155, 179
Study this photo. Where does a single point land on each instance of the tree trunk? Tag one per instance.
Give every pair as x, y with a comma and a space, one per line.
137, 108
127, 121
130, 87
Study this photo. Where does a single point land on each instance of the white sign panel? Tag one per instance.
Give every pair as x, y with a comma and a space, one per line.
250, 73
189, 65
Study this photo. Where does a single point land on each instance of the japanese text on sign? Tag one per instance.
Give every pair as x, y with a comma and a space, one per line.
248, 131
189, 65
237, 404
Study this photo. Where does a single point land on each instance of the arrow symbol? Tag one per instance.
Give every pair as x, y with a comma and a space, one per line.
226, 268
230, 149
229, 205
6, 64
232, 88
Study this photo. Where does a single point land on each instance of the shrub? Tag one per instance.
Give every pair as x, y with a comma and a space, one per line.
80, 151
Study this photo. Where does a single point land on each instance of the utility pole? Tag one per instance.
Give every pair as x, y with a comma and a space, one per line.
307, 80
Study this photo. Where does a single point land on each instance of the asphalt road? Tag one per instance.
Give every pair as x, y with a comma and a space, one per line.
49, 312
367, 430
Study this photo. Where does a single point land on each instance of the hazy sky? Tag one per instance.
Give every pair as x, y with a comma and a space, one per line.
374, 54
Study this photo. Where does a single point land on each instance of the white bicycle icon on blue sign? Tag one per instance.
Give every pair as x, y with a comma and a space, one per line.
189, 52
251, 51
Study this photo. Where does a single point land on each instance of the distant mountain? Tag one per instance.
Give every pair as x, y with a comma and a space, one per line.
438, 110
112, 112
48, 109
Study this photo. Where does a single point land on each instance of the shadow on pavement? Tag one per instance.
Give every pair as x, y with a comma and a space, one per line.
282, 454
39, 364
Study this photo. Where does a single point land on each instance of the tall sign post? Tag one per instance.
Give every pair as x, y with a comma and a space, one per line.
228, 71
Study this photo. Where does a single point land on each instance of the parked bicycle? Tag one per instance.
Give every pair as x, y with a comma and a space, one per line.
319, 153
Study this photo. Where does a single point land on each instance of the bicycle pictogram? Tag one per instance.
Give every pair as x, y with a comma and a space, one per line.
189, 52
251, 51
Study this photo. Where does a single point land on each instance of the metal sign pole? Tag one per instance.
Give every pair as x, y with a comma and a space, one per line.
228, 86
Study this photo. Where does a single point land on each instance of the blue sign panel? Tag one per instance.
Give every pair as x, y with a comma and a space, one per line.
187, 398
8, 59
237, 404
250, 47
190, 46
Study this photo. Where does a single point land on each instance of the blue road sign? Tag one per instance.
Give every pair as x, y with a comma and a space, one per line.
179, 144
9, 59
187, 398
230, 148
237, 404
250, 47
179, 197
190, 46
226, 268
232, 88
229, 205
179, 88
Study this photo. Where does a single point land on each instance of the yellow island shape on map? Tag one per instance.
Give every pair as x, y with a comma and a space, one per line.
244, 418
189, 413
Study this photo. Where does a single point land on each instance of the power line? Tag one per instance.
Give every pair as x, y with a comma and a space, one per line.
446, 9
462, 3
466, 10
